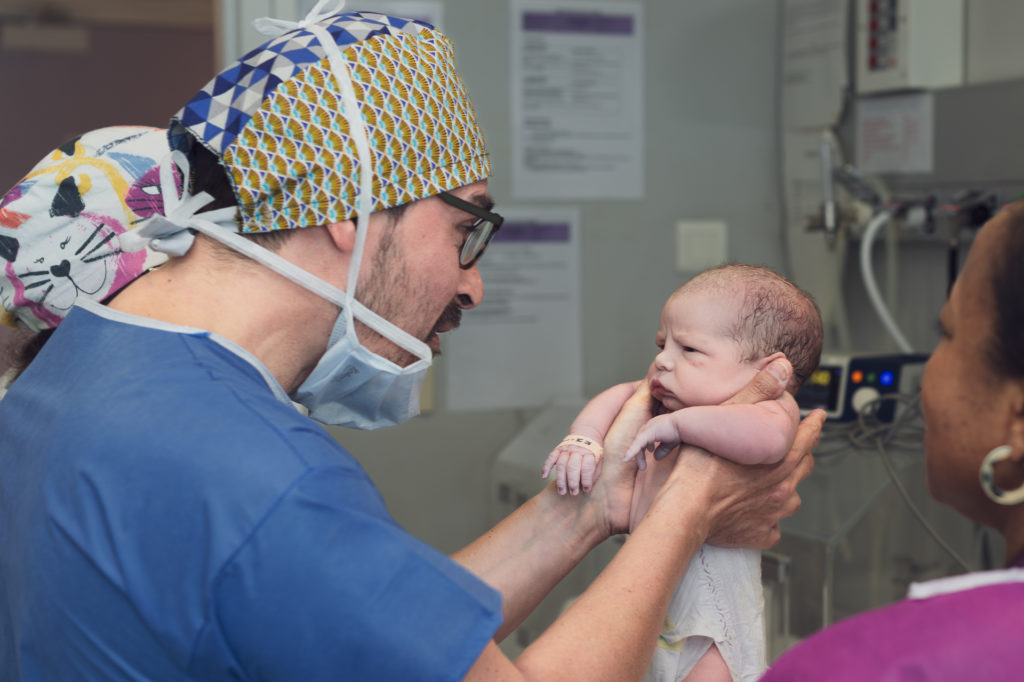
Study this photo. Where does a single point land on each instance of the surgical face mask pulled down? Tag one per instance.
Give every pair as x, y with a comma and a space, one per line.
350, 385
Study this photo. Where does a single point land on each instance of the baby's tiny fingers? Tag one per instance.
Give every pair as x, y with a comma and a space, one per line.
573, 472
560, 473
550, 462
663, 450
589, 473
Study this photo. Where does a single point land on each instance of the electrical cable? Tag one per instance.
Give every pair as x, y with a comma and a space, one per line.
877, 222
878, 435
917, 512
838, 316
892, 266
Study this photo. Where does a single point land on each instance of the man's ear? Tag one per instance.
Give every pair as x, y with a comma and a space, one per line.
343, 235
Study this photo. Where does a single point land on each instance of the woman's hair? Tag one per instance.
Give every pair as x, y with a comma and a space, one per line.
22, 353
1002, 352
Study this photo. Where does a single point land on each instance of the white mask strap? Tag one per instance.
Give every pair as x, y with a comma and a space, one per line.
172, 233
307, 281
350, 110
364, 198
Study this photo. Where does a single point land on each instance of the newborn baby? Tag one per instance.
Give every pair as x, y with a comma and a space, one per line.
717, 331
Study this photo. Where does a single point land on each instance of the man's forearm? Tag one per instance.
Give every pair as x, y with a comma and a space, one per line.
531, 550
610, 631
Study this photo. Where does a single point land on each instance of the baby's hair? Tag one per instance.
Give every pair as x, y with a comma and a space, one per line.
776, 316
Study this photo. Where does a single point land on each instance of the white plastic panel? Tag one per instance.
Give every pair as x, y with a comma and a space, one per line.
994, 49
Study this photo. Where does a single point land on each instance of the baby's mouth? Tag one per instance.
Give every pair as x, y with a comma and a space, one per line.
658, 391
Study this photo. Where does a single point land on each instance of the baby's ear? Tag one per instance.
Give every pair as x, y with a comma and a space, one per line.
763, 362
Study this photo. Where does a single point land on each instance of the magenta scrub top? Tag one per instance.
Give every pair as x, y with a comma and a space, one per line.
967, 627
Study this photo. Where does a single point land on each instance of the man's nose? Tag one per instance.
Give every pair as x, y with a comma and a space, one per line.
471, 289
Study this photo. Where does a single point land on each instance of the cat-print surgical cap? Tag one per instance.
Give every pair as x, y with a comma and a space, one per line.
61, 225
275, 119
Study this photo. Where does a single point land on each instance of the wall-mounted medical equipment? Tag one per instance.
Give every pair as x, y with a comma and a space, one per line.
906, 44
846, 384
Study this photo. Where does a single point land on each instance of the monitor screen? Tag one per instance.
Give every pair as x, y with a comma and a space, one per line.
821, 390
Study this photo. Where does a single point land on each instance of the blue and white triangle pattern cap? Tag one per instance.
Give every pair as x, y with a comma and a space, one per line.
220, 110
276, 119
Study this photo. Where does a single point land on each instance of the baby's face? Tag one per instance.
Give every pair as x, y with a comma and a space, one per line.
698, 363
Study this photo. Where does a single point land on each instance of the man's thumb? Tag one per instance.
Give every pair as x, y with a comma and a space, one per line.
768, 384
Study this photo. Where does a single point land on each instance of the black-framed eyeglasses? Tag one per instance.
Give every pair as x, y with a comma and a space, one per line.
479, 234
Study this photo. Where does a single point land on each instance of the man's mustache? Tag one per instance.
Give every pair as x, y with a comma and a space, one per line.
450, 318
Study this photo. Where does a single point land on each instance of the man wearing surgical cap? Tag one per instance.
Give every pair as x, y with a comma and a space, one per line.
307, 227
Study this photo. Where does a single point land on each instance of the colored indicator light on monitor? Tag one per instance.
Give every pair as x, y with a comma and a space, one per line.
856, 376
872, 377
886, 378
821, 377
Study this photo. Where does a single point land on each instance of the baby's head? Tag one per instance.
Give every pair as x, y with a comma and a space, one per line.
725, 325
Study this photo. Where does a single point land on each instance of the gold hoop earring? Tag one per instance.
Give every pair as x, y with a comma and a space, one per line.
988, 484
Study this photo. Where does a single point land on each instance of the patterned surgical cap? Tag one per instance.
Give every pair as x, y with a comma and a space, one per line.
61, 225
274, 118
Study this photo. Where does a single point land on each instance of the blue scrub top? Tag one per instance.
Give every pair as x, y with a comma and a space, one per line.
166, 515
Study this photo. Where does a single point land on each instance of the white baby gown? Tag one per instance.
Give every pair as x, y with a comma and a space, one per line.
720, 601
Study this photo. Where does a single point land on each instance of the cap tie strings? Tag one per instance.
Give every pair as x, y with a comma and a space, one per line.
171, 233
364, 197
269, 26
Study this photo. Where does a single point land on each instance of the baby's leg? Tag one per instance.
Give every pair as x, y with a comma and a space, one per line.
710, 668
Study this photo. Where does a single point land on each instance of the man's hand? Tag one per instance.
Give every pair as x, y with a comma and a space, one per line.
765, 494
753, 499
614, 489
744, 503
768, 384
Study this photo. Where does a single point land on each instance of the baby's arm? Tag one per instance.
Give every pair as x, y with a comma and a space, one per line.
577, 466
760, 433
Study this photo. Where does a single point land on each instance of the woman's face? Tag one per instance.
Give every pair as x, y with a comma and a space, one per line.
960, 394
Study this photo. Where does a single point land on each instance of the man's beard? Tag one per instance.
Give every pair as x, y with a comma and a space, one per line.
385, 293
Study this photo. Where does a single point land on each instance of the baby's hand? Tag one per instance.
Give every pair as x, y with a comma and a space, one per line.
577, 464
659, 434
